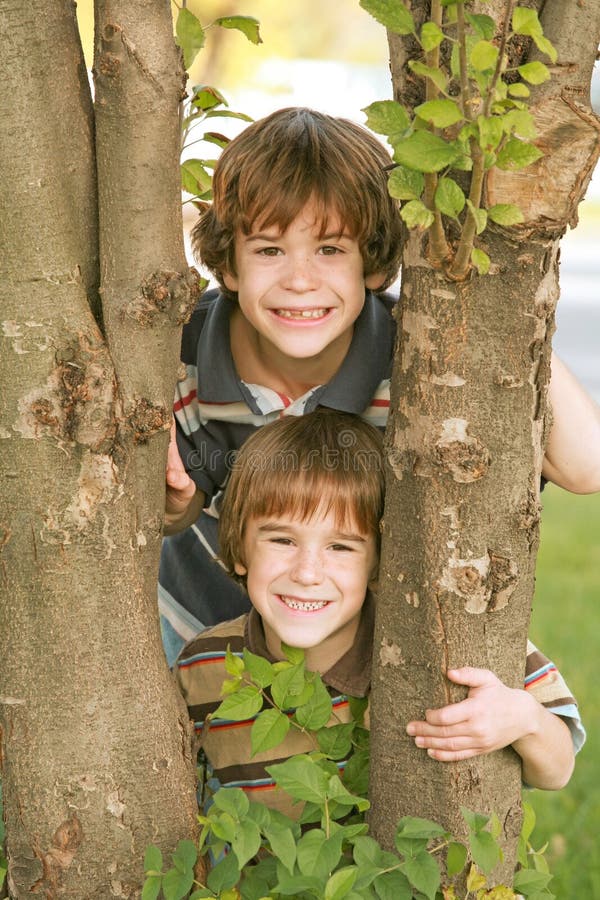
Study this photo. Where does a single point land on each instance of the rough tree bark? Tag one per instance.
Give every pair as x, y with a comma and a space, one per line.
469, 414
96, 759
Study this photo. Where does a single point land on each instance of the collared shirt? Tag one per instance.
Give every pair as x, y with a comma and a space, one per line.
216, 412
226, 745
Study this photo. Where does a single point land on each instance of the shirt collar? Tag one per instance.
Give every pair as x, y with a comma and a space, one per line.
351, 674
351, 389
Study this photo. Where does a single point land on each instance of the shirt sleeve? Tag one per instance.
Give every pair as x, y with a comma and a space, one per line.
544, 681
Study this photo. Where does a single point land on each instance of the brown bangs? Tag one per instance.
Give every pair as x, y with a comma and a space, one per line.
305, 467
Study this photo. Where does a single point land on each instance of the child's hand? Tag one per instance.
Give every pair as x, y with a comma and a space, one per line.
181, 490
492, 716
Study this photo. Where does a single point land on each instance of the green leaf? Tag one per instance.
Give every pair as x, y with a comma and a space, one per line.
206, 97
525, 21
544, 46
505, 214
269, 729
358, 707
449, 198
483, 25
294, 655
212, 137
431, 36
534, 72
190, 36
283, 844
341, 883
336, 741
301, 777
425, 152
233, 801
287, 685
393, 886
519, 122
423, 829
480, 216
528, 820
440, 113
223, 825
246, 704
150, 890
246, 24
225, 874
234, 664
366, 852
259, 668
391, 13
356, 773
484, 849
318, 856
337, 791
518, 90
246, 841
484, 56
296, 885
416, 214
315, 714
481, 261
185, 856
153, 859
387, 117
517, 155
456, 858
176, 884
405, 184
194, 177
528, 880
490, 131
423, 873
435, 75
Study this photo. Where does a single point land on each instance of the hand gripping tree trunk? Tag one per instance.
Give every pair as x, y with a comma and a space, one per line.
96, 758
468, 419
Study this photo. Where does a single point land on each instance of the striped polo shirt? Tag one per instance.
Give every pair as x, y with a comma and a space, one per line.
226, 750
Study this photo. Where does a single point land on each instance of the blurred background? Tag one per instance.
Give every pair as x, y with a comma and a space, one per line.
333, 56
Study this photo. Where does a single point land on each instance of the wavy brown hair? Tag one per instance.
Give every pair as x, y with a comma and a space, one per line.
268, 173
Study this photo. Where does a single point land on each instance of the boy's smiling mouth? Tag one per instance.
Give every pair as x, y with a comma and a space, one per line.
303, 605
300, 314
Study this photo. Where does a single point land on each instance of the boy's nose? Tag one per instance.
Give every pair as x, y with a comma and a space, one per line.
300, 275
307, 568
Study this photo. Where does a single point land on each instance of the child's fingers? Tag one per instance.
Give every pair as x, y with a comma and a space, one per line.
452, 755
472, 677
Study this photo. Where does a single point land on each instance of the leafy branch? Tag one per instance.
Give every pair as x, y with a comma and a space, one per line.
475, 118
324, 852
205, 102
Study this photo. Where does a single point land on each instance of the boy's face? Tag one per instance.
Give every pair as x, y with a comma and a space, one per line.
308, 581
301, 293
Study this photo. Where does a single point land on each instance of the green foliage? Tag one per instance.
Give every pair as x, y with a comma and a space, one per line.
475, 118
260, 853
205, 102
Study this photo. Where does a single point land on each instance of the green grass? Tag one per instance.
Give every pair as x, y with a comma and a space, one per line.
565, 625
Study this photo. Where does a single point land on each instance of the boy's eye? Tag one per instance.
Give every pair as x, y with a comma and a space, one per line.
269, 251
342, 547
329, 250
281, 540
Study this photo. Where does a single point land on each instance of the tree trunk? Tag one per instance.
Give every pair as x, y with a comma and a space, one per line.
468, 417
96, 761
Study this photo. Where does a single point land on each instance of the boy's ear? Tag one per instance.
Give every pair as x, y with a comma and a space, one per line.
238, 568
373, 281
231, 283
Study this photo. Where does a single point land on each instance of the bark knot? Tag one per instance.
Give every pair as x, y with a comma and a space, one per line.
459, 454
65, 842
166, 294
148, 419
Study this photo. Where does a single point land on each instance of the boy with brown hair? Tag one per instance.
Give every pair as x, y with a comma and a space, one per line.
301, 234
300, 526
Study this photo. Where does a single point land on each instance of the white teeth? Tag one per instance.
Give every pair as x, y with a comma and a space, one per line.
301, 313
305, 606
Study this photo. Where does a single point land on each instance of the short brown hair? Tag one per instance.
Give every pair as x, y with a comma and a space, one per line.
269, 172
300, 465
